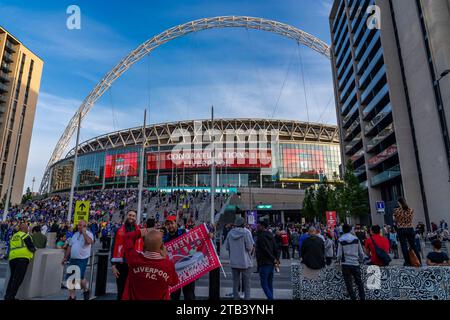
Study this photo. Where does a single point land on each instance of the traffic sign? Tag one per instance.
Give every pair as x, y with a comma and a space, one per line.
380, 207
81, 211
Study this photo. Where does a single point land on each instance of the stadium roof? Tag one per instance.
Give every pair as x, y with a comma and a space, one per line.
163, 133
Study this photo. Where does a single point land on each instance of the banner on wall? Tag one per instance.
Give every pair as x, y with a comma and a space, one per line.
193, 254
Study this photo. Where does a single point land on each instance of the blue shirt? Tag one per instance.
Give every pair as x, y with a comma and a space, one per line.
300, 241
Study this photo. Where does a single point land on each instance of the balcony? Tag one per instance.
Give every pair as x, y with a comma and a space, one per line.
7, 57
373, 45
382, 156
364, 185
376, 100
351, 129
351, 100
384, 134
386, 176
3, 88
357, 156
378, 118
361, 170
381, 75
370, 67
4, 77
3, 98
350, 115
353, 143
10, 47
5, 67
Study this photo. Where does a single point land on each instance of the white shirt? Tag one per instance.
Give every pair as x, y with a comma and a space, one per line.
79, 249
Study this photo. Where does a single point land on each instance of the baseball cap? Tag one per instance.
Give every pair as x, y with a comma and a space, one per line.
171, 218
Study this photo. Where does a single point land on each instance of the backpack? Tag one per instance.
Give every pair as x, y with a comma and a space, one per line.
381, 254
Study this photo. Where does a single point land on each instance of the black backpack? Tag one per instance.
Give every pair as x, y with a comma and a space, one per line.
381, 254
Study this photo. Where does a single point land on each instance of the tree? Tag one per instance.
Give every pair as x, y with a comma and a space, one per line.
354, 201
321, 203
27, 196
308, 203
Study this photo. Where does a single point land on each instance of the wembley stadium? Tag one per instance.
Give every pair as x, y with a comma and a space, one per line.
262, 153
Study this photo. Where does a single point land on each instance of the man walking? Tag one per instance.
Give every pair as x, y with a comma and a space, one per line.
21, 250
350, 253
266, 257
240, 245
79, 252
119, 264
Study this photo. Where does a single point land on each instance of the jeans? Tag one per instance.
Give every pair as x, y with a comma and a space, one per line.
122, 279
266, 277
351, 273
18, 269
285, 251
188, 292
246, 274
295, 248
408, 236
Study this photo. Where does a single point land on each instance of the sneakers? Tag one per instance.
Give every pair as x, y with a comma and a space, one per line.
86, 295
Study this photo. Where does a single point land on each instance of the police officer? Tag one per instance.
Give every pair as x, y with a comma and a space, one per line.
20, 253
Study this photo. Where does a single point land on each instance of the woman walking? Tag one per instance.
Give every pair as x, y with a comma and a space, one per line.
403, 217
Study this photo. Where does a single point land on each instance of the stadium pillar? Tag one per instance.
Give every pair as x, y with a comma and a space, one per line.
141, 169
74, 172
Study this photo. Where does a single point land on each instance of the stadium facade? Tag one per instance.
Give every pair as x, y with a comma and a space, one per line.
249, 153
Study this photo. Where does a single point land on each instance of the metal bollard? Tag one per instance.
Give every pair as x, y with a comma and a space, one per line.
102, 272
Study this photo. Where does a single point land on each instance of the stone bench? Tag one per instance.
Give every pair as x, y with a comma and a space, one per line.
397, 283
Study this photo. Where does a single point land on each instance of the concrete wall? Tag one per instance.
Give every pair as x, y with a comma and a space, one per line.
396, 283
433, 158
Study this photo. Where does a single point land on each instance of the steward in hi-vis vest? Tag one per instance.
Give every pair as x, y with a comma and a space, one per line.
20, 253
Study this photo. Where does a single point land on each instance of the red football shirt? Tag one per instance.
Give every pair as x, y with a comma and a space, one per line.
382, 243
149, 274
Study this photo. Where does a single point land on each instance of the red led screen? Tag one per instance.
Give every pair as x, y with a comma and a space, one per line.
202, 159
297, 161
121, 165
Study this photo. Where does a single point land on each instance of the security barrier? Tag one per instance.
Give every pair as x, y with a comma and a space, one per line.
385, 283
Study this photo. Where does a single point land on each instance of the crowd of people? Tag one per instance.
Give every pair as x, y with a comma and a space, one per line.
319, 246
139, 245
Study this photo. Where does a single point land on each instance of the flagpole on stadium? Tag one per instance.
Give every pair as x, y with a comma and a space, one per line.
214, 275
141, 169
74, 173
213, 168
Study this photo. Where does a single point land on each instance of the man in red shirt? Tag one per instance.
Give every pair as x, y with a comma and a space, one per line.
381, 243
151, 273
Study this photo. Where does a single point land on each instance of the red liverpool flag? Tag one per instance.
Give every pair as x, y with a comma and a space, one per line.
193, 255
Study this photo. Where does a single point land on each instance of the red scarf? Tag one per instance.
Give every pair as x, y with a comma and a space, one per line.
118, 244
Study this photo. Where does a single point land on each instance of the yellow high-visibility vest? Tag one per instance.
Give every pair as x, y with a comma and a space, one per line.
18, 248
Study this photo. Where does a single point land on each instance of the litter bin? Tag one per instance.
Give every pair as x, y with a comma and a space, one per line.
102, 272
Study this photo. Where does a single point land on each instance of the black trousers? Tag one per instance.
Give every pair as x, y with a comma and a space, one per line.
18, 269
285, 250
122, 279
188, 292
351, 273
295, 248
407, 236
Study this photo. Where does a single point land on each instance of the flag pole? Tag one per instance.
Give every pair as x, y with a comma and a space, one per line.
141, 169
74, 173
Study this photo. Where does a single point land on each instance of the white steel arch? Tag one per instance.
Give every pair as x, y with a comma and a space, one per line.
134, 56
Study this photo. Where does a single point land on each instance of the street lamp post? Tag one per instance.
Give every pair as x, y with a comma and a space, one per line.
441, 110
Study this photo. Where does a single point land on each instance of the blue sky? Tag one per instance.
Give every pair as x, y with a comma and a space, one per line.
241, 72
